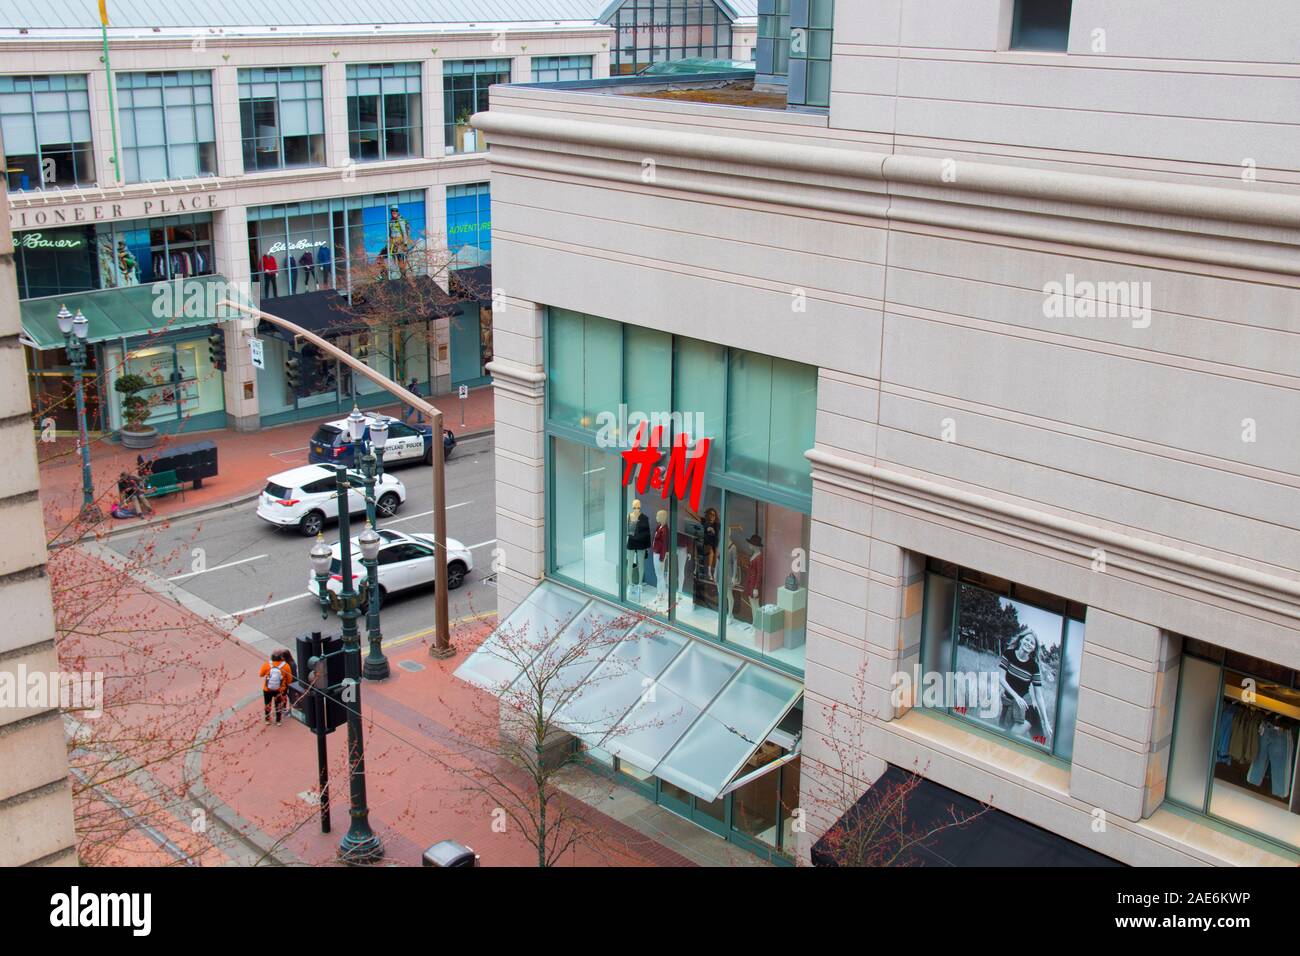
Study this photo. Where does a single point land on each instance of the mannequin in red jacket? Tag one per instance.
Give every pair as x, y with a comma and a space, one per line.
659, 548
269, 273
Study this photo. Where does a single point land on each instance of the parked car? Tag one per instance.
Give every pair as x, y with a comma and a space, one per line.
307, 497
331, 443
405, 561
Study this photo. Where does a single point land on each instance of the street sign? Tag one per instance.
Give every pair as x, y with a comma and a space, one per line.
463, 391
259, 356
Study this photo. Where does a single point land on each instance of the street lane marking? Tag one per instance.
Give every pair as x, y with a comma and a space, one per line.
263, 607
408, 638
423, 514
481, 544
219, 567
290, 451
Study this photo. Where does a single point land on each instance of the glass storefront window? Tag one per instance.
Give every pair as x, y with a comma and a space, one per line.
182, 384
312, 246
764, 560
469, 224
384, 112
113, 254
465, 86
729, 558
809, 61
45, 124
771, 418
53, 389
1235, 738
166, 125
586, 516
553, 69
1003, 659
282, 117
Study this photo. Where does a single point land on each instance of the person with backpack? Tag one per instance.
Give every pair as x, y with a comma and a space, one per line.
276, 676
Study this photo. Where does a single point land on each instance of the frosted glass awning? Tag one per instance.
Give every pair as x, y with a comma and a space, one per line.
683, 709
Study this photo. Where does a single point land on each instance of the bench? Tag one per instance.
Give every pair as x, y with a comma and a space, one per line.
163, 483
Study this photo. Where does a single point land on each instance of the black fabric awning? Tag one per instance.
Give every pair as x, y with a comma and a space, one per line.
995, 838
325, 313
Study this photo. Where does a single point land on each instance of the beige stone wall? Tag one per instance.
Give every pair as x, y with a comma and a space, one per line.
35, 795
959, 416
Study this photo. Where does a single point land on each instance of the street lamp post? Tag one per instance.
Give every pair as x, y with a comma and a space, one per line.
372, 471
360, 844
75, 329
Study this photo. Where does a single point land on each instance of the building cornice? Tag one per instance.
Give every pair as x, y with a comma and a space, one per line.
1256, 231
1213, 577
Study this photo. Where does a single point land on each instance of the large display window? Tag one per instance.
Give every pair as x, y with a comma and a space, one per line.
1235, 741
469, 224
1006, 657
730, 566
182, 385
311, 246
111, 255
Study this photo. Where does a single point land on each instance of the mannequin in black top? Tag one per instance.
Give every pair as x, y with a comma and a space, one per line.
638, 546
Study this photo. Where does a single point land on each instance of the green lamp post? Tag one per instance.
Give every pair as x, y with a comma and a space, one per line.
75, 329
360, 844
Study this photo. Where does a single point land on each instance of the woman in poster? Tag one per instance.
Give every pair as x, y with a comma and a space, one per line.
1023, 709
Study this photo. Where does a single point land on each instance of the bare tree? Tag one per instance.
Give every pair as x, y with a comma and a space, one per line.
873, 826
549, 693
400, 297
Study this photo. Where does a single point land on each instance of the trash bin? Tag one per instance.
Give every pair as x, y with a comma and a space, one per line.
450, 853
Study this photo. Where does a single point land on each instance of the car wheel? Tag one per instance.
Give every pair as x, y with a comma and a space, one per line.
388, 504
456, 572
428, 456
311, 523
364, 604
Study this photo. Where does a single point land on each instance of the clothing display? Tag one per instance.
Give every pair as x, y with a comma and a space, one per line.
1276, 750
638, 547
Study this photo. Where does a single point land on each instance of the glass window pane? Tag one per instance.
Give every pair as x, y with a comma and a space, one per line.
512, 646
1069, 706
701, 568
1016, 648
764, 545
699, 673
652, 727
700, 380
564, 386
711, 753
1189, 771
585, 520
936, 640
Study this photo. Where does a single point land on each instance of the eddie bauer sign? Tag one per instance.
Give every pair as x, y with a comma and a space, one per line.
102, 212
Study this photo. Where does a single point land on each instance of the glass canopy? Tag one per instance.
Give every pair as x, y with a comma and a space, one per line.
687, 711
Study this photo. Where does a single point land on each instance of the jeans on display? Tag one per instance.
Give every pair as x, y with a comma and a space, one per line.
1274, 757
661, 574
636, 569
269, 285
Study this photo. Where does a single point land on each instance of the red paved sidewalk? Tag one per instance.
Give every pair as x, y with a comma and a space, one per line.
172, 678
244, 460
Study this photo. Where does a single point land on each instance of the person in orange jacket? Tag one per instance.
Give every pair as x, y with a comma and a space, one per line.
276, 675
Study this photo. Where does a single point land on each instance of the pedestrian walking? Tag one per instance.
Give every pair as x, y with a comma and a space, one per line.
276, 675
413, 386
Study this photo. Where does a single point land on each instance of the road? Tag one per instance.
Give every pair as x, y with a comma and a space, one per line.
246, 567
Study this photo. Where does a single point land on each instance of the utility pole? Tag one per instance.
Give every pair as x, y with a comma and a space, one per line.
442, 633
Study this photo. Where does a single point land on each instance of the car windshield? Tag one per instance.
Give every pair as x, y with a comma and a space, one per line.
276, 491
328, 435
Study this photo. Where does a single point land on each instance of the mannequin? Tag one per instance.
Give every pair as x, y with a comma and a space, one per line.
754, 576
733, 572
659, 548
638, 547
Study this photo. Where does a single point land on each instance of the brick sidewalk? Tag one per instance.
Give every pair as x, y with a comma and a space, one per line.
177, 674
244, 460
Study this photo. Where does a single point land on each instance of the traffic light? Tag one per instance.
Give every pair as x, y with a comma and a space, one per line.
217, 350
314, 696
293, 370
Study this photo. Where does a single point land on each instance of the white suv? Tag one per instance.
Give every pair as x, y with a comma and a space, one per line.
306, 497
404, 561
